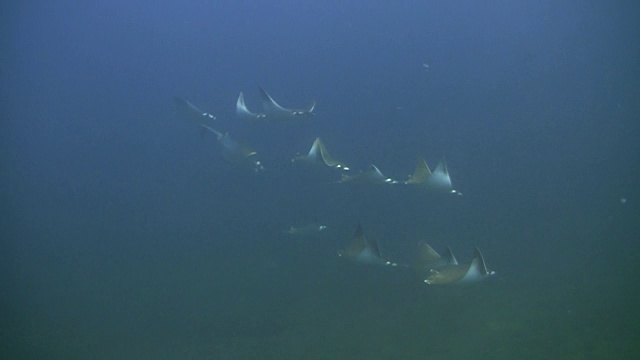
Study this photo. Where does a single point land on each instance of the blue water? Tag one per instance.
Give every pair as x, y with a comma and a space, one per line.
126, 235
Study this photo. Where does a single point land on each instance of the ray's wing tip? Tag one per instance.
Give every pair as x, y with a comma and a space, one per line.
479, 259
264, 93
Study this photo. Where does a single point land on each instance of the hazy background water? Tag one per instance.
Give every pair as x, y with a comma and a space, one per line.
124, 234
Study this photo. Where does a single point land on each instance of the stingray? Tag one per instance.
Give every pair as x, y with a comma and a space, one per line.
434, 269
319, 155
364, 251
243, 112
190, 111
372, 176
438, 180
305, 230
275, 112
236, 152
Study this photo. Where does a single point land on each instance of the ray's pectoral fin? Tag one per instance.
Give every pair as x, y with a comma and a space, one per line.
420, 175
236, 152
372, 176
242, 111
356, 246
275, 111
307, 111
364, 251
190, 111
328, 159
434, 269
437, 180
269, 105
318, 154
427, 261
477, 269
216, 132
